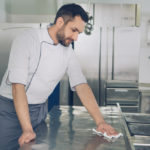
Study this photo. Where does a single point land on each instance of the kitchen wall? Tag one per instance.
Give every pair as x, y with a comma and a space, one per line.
27, 11
144, 71
2, 11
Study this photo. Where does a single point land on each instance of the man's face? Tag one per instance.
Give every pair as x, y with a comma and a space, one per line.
69, 32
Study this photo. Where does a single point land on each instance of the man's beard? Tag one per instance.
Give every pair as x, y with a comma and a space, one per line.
61, 38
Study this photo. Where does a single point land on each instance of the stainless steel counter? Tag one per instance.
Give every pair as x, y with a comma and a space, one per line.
69, 128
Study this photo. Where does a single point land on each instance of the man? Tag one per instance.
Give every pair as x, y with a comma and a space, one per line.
38, 60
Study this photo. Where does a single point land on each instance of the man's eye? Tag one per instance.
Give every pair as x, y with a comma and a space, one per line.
73, 30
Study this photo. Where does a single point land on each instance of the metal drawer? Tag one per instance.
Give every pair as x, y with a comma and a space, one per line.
122, 94
121, 84
133, 109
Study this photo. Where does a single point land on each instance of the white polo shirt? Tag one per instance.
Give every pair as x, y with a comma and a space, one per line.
38, 64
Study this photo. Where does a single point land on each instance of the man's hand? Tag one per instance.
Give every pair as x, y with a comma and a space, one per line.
88, 100
26, 137
22, 110
104, 127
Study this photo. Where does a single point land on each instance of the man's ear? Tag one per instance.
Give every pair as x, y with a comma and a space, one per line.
59, 22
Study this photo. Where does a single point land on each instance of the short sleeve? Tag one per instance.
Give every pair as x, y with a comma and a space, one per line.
74, 72
19, 59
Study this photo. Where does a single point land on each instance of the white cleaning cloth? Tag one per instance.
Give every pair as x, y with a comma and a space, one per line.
107, 136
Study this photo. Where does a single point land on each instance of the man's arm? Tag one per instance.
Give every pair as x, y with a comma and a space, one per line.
88, 100
22, 110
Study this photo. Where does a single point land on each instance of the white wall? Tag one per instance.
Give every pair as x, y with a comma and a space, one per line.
28, 11
2, 11
145, 7
144, 64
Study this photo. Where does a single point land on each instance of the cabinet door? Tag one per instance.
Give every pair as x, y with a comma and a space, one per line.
126, 53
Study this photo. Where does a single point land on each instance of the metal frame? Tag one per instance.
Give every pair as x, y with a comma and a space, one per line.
126, 133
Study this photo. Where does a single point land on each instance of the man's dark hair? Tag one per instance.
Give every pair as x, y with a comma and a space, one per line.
69, 11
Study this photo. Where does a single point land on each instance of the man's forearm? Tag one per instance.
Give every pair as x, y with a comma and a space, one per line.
21, 106
88, 100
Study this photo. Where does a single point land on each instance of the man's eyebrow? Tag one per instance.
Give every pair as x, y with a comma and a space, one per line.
77, 30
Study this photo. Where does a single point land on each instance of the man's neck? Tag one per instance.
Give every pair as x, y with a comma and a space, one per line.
52, 30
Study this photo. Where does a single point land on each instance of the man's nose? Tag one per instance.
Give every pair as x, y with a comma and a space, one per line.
75, 36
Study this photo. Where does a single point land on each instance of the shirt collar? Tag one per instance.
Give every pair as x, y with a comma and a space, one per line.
46, 36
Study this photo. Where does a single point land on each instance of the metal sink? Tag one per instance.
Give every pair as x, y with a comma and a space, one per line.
138, 124
141, 143
141, 147
137, 118
139, 128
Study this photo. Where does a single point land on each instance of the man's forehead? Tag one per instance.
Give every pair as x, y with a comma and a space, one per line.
78, 24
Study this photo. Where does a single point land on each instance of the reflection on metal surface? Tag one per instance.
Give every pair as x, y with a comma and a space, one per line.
54, 123
71, 131
95, 142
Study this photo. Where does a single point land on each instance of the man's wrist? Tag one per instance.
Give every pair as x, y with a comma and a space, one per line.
27, 128
100, 122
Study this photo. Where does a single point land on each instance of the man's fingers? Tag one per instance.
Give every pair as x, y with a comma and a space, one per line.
102, 130
26, 138
112, 131
105, 128
109, 130
21, 141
